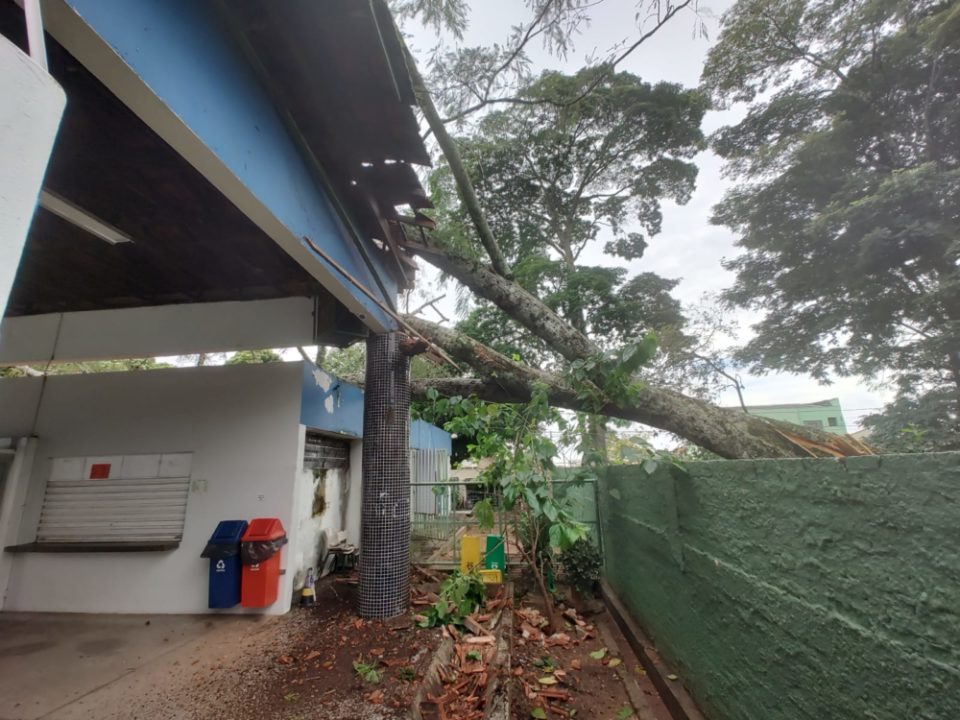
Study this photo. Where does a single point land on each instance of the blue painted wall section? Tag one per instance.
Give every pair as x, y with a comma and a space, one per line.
181, 51
331, 405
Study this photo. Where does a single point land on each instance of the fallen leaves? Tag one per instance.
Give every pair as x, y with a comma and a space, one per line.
530, 632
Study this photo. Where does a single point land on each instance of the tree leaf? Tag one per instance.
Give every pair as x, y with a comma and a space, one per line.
483, 512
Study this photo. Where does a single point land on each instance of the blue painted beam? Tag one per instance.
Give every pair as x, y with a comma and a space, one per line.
180, 51
331, 405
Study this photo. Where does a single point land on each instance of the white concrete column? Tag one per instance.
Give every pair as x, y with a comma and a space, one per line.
11, 507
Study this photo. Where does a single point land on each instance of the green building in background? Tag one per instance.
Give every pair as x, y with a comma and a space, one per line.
825, 414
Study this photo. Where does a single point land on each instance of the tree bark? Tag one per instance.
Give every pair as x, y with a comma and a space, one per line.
728, 433
515, 301
452, 153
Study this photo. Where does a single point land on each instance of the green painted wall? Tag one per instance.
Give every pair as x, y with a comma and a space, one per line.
819, 414
796, 589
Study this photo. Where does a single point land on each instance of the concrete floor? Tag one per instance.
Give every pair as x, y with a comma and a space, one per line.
64, 667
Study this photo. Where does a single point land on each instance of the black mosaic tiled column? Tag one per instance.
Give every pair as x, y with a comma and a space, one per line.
385, 513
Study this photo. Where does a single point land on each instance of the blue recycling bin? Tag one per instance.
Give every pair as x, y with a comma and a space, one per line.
223, 551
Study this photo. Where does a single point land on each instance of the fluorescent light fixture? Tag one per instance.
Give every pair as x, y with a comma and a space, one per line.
81, 218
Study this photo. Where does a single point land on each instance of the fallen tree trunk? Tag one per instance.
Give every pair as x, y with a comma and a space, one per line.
730, 434
726, 432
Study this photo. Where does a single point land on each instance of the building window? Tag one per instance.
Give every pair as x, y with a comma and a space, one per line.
832, 422
813, 423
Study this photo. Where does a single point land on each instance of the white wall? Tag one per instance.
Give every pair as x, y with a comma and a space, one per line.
29, 116
310, 527
12, 500
355, 500
151, 331
240, 422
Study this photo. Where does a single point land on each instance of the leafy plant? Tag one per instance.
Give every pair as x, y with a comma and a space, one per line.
581, 564
474, 655
369, 673
460, 595
545, 663
407, 674
521, 473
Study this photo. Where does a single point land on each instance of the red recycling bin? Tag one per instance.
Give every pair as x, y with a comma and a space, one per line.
260, 555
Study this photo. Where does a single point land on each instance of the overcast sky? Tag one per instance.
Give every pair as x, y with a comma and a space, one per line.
689, 247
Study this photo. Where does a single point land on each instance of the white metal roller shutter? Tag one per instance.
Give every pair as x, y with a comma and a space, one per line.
115, 510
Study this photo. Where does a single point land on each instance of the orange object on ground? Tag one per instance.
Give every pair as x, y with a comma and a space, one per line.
260, 583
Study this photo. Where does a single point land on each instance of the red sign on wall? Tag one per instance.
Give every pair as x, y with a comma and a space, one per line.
100, 471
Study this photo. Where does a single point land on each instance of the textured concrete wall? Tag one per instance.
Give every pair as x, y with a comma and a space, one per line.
798, 589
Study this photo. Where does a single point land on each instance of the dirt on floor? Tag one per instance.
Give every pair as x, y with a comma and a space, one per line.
321, 662
584, 669
302, 665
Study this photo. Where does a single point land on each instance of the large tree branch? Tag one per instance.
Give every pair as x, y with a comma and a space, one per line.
606, 69
729, 433
468, 195
510, 297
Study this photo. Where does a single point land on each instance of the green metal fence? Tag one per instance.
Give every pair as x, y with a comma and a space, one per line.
442, 513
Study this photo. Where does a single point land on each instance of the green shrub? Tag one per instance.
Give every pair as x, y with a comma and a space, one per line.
580, 565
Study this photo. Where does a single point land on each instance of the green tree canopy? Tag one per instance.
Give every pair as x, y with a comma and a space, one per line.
847, 206
554, 178
253, 357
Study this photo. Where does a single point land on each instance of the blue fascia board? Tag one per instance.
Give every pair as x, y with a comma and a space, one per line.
330, 405
182, 52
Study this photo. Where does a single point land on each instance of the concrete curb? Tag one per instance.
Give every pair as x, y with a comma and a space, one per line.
678, 702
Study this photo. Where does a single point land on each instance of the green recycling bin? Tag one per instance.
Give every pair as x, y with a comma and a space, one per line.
495, 557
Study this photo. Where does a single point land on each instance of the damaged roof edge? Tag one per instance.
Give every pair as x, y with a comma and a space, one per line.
342, 120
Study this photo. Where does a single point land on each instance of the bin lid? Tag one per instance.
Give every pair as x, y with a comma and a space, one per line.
264, 529
229, 531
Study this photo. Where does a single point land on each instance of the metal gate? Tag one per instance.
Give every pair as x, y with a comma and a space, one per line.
442, 510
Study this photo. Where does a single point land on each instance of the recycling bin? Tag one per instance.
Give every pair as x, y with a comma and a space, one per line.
223, 551
495, 558
260, 556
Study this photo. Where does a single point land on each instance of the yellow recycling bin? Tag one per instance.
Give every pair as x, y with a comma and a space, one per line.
471, 554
